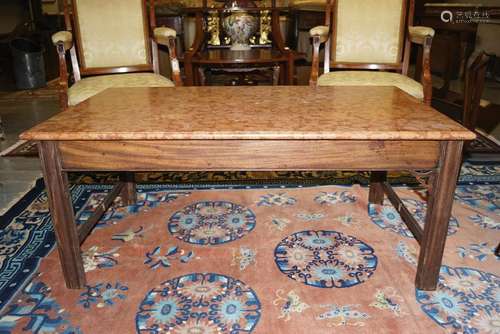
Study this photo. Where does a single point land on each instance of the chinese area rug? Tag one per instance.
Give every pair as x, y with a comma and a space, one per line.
256, 259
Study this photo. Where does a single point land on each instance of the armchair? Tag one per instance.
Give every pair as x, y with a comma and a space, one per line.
372, 38
111, 43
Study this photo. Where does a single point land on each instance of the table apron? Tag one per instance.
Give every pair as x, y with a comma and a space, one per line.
258, 155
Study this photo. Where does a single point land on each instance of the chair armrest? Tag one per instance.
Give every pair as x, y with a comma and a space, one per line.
63, 40
321, 31
166, 36
163, 34
319, 35
63, 37
418, 34
423, 36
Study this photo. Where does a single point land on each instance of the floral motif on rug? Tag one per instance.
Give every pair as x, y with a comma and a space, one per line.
325, 259
199, 303
466, 301
130, 254
388, 218
211, 223
484, 197
40, 312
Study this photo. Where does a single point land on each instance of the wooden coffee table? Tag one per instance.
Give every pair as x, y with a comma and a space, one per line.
282, 128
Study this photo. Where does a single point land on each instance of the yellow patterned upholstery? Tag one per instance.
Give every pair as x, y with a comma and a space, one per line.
368, 31
112, 32
371, 78
90, 86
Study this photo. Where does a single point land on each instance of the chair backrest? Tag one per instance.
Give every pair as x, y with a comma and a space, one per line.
369, 34
112, 36
474, 84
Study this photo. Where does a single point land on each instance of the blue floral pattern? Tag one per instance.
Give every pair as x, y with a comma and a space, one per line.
343, 315
325, 259
387, 218
480, 252
485, 221
103, 294
155, 259
38, 313
466, 301
211, 223
484, 197
407, 252
199, 303
281, 199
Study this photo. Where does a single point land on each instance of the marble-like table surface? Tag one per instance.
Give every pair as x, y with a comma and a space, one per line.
260, 112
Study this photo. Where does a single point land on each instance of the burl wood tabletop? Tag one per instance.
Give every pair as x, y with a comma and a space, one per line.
279, 112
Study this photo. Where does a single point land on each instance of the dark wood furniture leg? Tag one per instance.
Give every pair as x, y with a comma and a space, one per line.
276, 75
128, 192
68, 243
439, 203
291, 70
376, 192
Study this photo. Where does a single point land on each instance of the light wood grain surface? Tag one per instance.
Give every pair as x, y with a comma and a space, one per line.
280, 112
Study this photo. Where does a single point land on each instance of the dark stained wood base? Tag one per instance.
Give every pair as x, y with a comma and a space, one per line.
61, 210
442, 158
128, 193
439, 204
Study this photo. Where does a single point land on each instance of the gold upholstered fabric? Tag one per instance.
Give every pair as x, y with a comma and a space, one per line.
90, 86
368, 31
372, 78
112, 32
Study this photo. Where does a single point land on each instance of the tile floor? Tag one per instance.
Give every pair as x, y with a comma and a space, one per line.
17, 174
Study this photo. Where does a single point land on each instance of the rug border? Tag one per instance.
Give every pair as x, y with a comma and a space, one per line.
11, 213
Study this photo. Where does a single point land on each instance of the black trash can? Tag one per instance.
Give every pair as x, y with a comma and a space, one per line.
28, 64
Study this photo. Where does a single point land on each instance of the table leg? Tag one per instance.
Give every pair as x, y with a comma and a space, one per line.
291, 70
376, 192
439, 204
61, 210
283, 71
129, 192
201, 74
188, 70
276, 75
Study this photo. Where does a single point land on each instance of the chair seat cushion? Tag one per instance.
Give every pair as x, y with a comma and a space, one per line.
371, 78
90, 86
